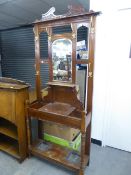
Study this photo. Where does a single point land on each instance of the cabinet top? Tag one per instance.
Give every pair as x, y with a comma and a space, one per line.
12, 84
74, 11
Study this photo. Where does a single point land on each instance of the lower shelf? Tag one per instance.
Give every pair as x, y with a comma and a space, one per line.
9, 146
8, 129
58, 154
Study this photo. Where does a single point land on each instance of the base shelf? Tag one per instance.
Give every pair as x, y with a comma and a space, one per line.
8, 129
58, 154
9, 146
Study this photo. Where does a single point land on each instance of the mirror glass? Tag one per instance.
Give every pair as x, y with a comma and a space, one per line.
82, 41
81, 82
82, 49
61, 59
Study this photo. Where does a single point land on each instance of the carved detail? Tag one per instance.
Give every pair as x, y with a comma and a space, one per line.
90, 74
49, 37
37, 73
73, 35
49, 32
36, 38
92, 30
72, 10
50, 15
74, 30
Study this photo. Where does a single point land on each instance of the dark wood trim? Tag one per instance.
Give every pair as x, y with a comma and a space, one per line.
66, 120
49, 31
37, 62
68, 19
90, 73
61, 36
82, 61
74, 41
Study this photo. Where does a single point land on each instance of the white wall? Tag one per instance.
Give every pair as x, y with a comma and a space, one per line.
103, 61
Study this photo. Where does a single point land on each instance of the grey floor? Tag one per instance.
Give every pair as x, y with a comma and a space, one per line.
104, 161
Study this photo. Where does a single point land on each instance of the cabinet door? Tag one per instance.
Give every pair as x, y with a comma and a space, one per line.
7, 105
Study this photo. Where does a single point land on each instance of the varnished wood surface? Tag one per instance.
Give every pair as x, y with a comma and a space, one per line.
62, 92
65, 93
7, 105
64, 84
68, 19
66, 120
12, 117
8, 129
58, 108
37, 62
57, 154
9, 146
12, 81
11, 86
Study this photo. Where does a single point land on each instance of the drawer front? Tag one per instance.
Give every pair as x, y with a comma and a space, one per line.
7, 105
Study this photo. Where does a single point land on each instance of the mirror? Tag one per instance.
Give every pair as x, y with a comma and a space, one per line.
82, 54
82, 41
61, 60
82, 81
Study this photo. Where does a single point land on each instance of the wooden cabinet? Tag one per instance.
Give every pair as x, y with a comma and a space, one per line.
60, 103
13, 96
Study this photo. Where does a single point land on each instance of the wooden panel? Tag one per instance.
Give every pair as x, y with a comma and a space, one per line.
7, 105
32, 95
59, 93
21, 98
66, 120
13, 96
58, 108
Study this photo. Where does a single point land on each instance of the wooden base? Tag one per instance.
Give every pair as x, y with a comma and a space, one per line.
58, 154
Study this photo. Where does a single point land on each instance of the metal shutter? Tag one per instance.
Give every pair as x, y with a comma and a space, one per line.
18, 56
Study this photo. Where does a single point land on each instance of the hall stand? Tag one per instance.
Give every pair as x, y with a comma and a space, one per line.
61, 103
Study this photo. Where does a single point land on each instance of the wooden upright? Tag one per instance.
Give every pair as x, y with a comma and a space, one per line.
61, 103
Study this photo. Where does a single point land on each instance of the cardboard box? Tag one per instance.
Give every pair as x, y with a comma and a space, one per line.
74, 145
60, 131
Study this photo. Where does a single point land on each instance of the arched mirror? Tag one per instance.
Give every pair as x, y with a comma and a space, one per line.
82, 41
61, 59
82, 51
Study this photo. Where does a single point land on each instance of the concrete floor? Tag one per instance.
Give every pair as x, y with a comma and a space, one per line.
104, 161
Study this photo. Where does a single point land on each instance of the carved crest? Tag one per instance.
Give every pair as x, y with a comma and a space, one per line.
72, 10
50, 15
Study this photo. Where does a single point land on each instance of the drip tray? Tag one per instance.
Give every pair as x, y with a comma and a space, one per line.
44, 146
73, 157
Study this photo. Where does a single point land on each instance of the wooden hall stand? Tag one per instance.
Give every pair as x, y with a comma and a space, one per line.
61, 103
